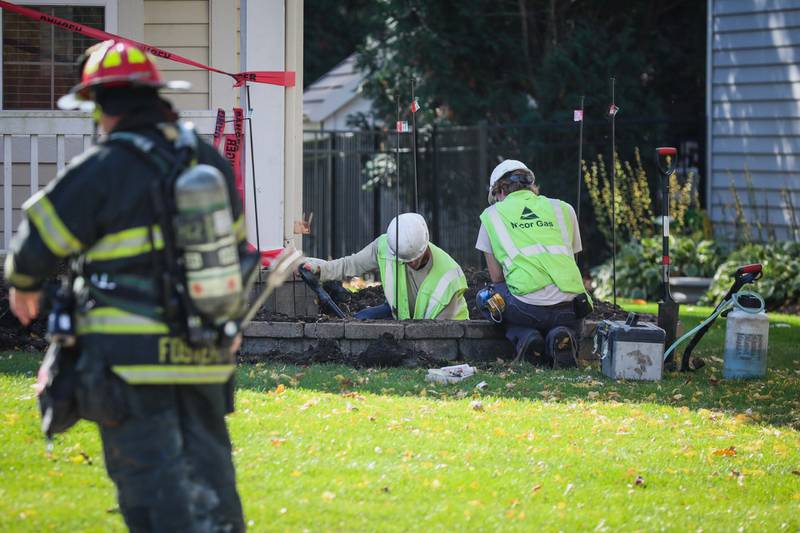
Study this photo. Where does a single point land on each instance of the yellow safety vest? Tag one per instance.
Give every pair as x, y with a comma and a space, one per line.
531, 237
445, 281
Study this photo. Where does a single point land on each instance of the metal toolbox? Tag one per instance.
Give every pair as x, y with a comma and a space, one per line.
630, 349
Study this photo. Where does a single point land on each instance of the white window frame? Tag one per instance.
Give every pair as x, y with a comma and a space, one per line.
110, 26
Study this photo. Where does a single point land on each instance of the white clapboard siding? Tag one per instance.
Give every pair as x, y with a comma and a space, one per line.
181, 27
754, 114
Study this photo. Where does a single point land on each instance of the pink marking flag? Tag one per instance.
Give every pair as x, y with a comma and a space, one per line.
402, 126
612, 111
577, 115
415, 105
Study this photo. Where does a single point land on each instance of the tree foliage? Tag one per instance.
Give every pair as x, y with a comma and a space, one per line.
333, 29
519, 60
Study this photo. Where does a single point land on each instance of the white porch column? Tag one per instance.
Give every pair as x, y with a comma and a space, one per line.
263, 47
293, 127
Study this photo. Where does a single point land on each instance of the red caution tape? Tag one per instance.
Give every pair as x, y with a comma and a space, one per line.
233, 153
238, 124
285, 79
219, 127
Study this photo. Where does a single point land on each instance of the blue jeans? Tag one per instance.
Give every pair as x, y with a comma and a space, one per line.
377, 312
520, 318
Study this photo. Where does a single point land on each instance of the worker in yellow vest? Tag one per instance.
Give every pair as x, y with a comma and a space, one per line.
431, 284
529, 242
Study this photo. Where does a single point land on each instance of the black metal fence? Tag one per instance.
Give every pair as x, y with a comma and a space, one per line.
350, 179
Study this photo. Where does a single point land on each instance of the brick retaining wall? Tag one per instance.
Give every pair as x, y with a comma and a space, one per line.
462, 340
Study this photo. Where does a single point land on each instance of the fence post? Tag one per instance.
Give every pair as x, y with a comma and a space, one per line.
330, 199
435, 187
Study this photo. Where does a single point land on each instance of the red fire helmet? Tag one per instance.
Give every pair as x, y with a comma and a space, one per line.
114, 64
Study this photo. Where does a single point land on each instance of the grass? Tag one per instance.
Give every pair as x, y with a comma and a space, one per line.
334, 448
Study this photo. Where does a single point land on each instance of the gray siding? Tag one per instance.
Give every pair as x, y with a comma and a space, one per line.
754, 114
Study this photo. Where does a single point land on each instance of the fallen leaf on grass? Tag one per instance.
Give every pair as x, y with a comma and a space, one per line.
328, 496
81, 458
796, 472
639, 482
725, 452
280, 388
277, 442
535, 489
477, 405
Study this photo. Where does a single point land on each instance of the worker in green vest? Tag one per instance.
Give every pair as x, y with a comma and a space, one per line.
529, 242
428, 283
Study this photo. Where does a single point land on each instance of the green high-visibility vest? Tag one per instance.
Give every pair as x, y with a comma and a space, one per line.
531, 238
445, 281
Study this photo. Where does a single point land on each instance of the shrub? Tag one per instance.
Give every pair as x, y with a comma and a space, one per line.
639, 266
780, 285
633, 200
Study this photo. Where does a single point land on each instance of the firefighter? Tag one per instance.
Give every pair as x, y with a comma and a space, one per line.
159, 402
431, 284
529, 242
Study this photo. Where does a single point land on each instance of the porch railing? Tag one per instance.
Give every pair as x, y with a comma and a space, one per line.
37, 145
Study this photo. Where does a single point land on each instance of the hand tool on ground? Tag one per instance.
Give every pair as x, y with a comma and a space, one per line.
324, 298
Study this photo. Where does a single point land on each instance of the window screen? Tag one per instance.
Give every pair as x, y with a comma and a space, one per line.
40, 60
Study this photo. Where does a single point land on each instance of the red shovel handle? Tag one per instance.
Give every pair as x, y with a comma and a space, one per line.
749, 269
666, 159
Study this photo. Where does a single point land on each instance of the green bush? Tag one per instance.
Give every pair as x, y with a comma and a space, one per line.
639, 266
780, 285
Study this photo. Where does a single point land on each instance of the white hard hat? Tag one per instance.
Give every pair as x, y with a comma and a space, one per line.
502, 169
413, 236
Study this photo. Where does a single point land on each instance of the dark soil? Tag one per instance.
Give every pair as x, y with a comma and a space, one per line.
351, 303
13, 336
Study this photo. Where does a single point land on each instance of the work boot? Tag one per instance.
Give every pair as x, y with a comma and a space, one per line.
561, 346
530, 348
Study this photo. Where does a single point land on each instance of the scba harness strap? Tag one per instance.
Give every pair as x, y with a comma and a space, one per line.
197, 263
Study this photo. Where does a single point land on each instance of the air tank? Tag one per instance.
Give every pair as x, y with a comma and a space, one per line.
204, 233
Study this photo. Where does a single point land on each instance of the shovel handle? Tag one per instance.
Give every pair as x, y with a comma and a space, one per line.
754, 268
668, 155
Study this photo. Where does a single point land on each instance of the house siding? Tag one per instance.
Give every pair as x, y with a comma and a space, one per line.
182, 27
754, 116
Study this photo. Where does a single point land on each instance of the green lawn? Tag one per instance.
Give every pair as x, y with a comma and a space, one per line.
333, 448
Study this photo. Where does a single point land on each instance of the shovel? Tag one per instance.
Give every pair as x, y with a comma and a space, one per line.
324, 298
666, 159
